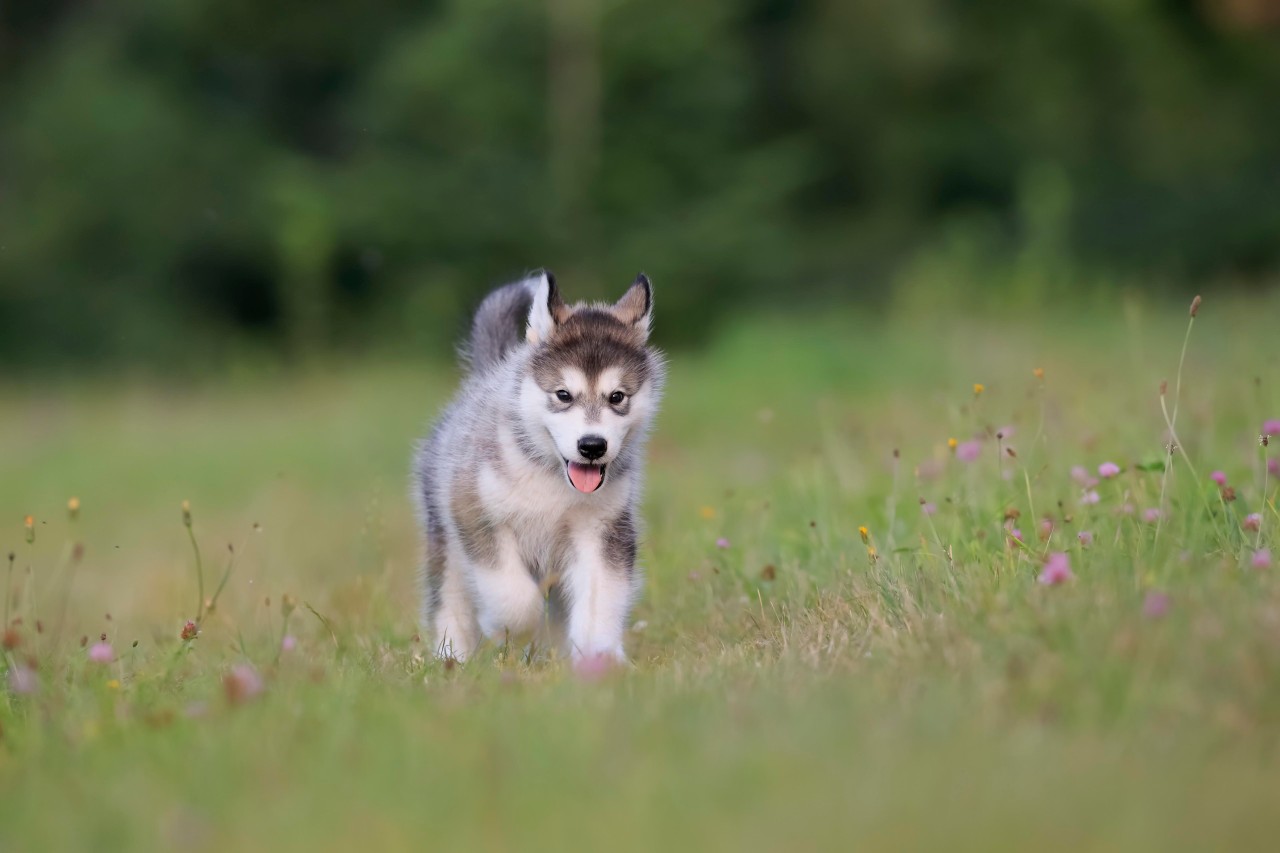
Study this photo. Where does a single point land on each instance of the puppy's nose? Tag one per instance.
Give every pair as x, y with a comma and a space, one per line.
592, 446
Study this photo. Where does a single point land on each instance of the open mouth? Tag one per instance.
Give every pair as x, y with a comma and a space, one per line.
585, 478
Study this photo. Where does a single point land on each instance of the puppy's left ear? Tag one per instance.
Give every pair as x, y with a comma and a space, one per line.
635, 308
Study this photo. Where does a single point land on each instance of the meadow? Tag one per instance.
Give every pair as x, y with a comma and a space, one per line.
912, 583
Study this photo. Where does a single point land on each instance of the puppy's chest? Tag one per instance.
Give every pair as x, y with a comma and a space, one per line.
540, 510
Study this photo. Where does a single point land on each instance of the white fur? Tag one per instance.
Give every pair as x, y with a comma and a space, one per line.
541, 323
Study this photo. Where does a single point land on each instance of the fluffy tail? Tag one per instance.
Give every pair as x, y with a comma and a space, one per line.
499, 324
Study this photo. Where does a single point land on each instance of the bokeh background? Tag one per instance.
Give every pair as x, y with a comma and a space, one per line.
184, 182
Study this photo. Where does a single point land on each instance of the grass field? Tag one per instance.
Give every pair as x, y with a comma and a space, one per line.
795, 686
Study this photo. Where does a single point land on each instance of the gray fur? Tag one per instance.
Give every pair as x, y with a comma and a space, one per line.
620, 542
490, 472
498, 326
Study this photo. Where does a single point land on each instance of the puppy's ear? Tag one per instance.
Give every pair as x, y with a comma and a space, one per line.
635, 308
547, 311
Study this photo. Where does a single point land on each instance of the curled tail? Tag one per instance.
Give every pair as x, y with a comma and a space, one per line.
499, 324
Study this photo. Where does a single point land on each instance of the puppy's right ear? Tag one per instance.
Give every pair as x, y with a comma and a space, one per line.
548, 309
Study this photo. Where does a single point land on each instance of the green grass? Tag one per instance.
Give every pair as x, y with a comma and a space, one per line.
791, 691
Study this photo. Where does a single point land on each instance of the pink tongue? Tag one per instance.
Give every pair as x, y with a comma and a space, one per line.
585, 478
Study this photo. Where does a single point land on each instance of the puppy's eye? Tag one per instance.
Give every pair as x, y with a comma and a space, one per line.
616, 398
564, 396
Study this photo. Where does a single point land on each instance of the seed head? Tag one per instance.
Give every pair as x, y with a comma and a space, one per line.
190, 631
1229, 493
186, 513
1195, 305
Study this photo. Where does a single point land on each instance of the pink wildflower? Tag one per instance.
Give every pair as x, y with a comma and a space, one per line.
1085, 538
1261, 559
1253, 522
1151, 516
1057, 569
594, 667
1219, 478
968, 451
101, 653
1090, 497
1107, 470
722, 543
1271, 427
23, 679
1046, 529
1125, 509
1015, 535
1082, 477
242, 683
288, 643
928, 508
1155, 605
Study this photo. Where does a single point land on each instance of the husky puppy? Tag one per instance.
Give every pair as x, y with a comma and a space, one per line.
528, 486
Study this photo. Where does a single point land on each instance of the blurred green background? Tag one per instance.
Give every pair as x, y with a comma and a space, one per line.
183, 181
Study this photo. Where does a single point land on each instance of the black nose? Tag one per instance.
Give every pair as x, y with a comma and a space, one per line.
592, 446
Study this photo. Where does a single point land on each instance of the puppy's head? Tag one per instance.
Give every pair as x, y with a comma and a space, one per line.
593, 383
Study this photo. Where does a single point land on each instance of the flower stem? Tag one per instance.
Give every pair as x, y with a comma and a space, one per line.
199, 573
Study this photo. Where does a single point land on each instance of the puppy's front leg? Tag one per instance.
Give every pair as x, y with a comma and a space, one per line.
600, 584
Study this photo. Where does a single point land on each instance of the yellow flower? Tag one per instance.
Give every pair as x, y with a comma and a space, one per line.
871, 552
978, 388
865, 534
707, 512
73, 508
951, 443
29, 527
1039, 372
113, 684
